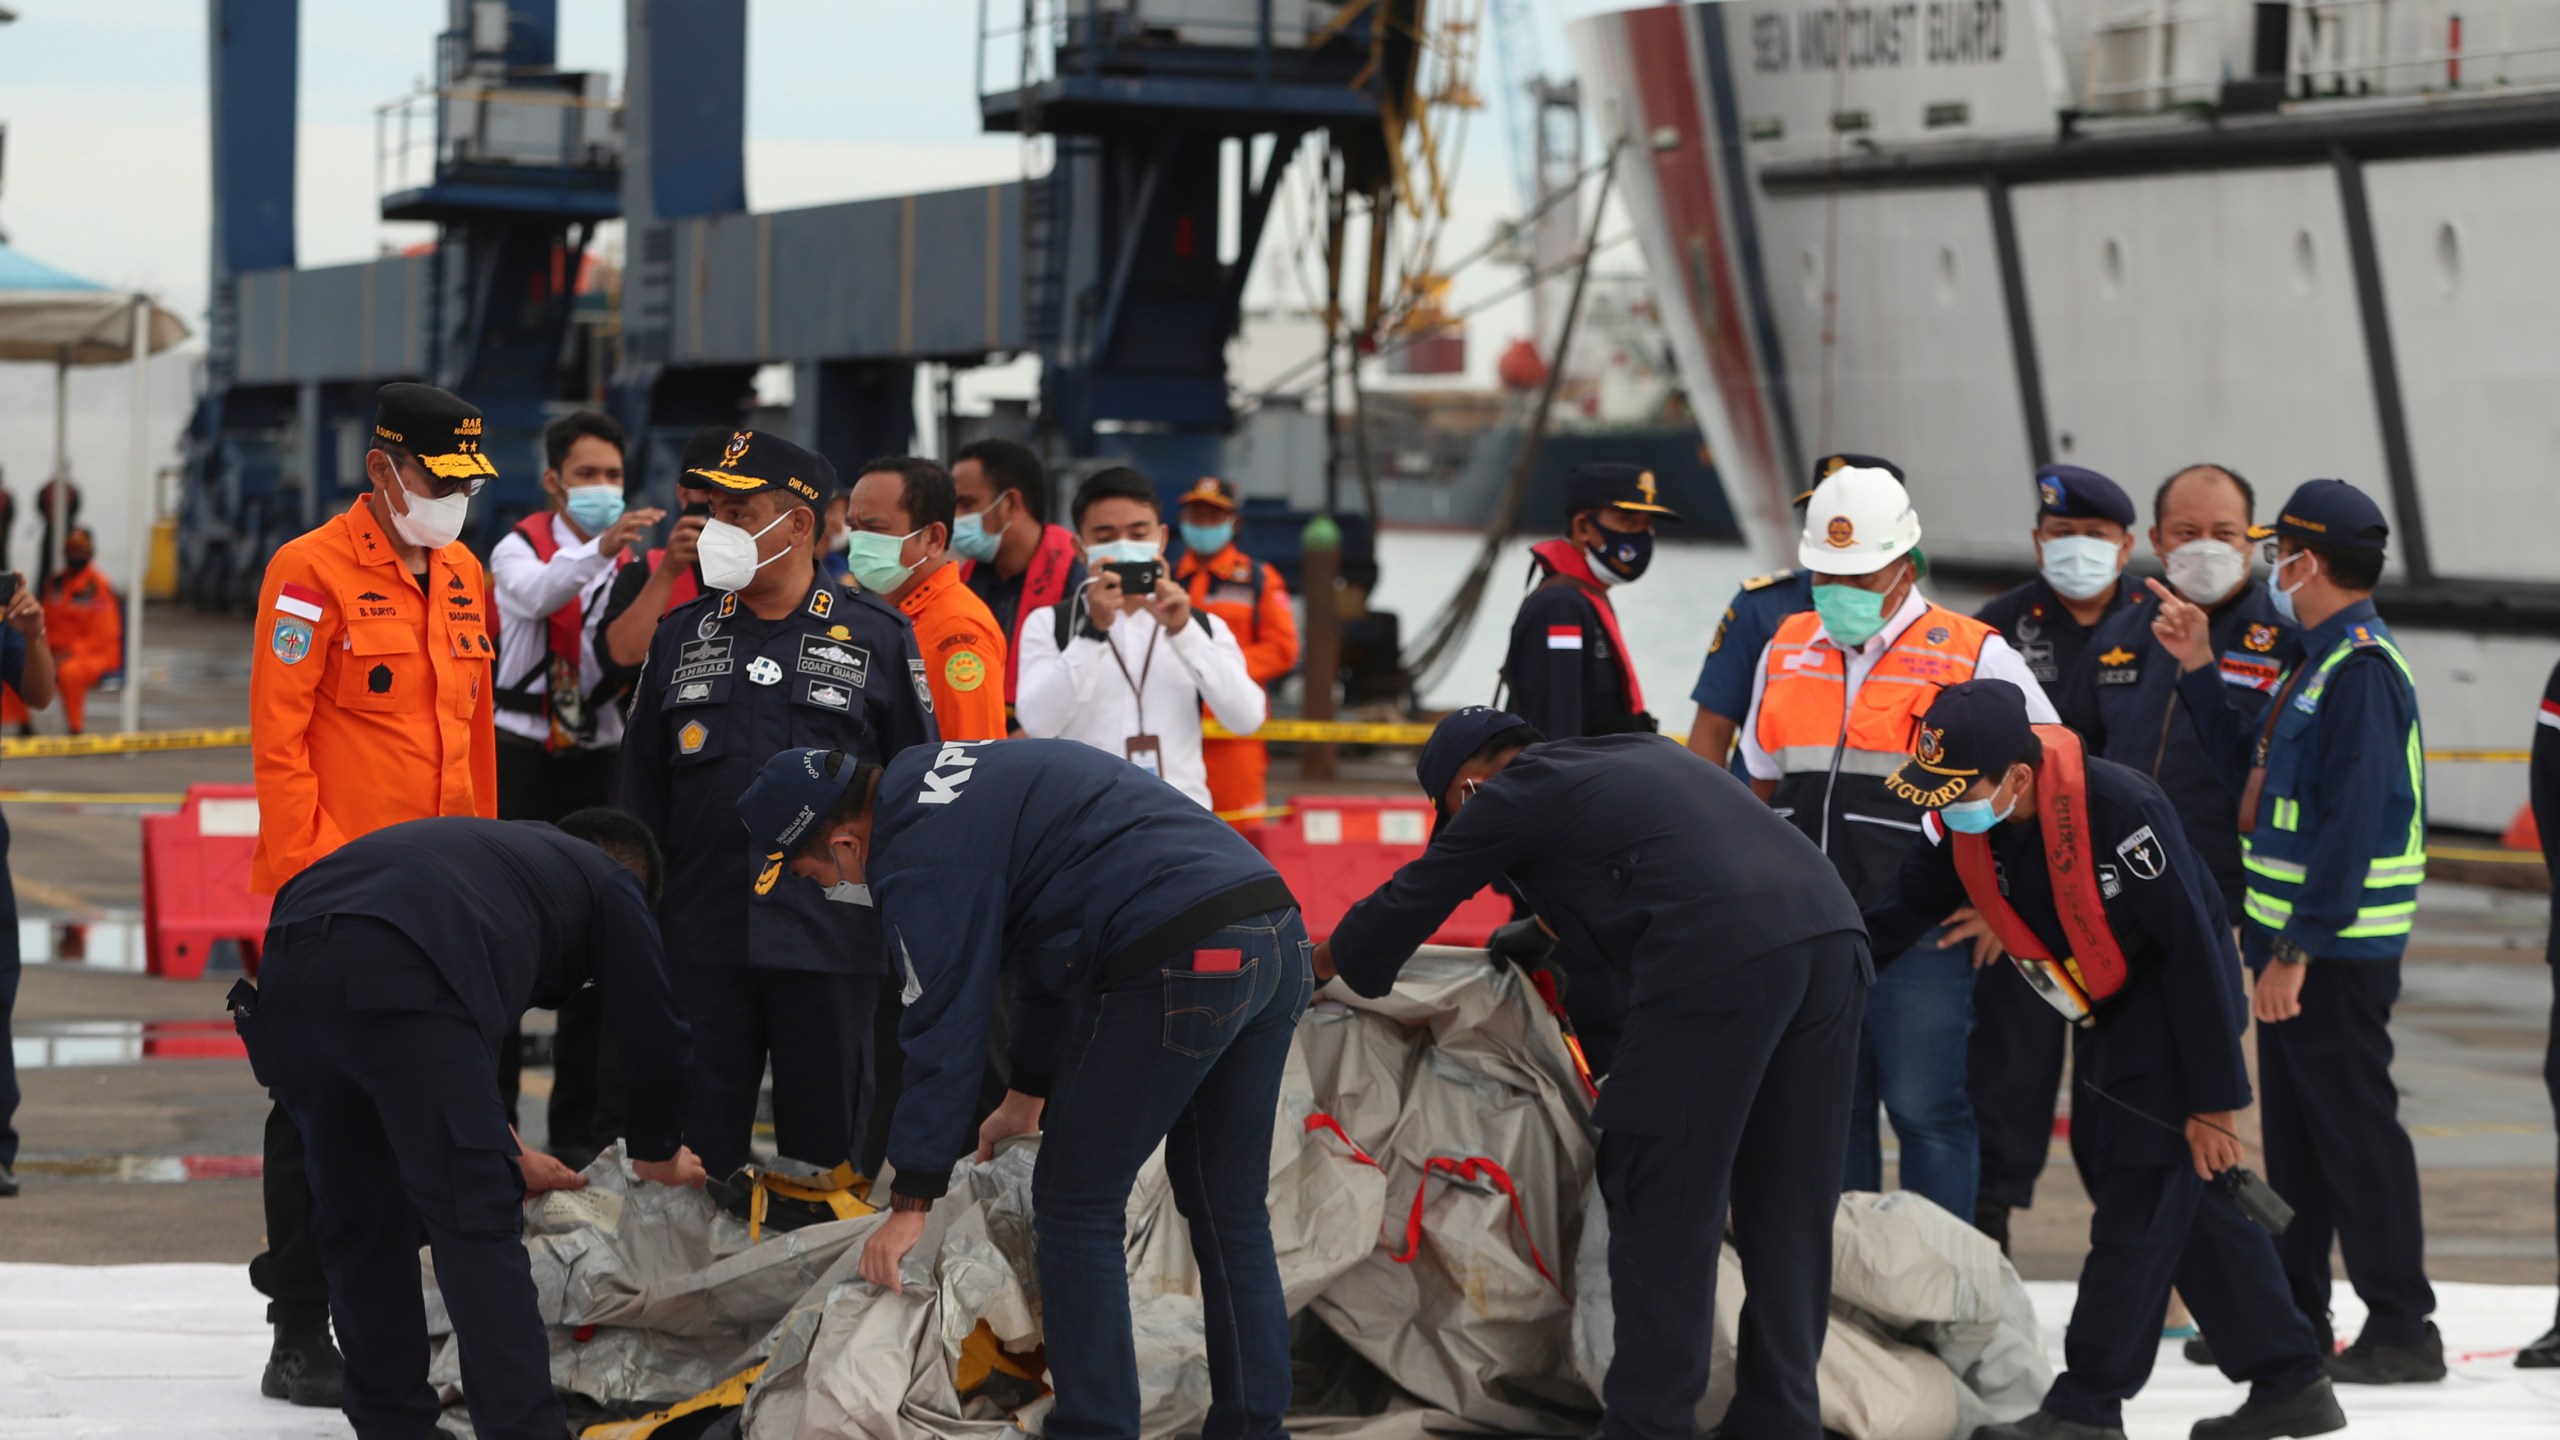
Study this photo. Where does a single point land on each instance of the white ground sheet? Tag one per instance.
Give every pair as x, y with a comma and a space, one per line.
92, 1352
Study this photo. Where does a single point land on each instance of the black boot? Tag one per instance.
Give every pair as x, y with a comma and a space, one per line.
1991, 1217
2311, 1410
2368, 1362
2542, 1354
2045, 1425
305, 1366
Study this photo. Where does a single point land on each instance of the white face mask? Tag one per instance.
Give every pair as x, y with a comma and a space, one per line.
2207, 571
848, 892
727, 553
2081, 567
431, 524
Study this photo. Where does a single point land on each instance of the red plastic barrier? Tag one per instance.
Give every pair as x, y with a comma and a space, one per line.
195, 881
1337, 848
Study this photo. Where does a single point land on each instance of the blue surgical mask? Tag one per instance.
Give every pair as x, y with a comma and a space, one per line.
1974, 817
970, 539
2081, 567
2277, 592
1207, 540
1120, 552
1851, 616
594, 508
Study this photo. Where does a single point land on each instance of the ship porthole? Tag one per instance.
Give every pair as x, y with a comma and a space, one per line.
2448, 257
1946, 275
2306, 262
2111, 268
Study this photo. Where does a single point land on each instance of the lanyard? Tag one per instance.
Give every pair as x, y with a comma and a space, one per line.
1146, 667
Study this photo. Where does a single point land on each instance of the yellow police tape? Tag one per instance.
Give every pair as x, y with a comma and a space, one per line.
47, 747
1328, 732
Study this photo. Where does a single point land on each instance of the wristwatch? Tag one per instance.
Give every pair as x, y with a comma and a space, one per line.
2287, 952
918, 1204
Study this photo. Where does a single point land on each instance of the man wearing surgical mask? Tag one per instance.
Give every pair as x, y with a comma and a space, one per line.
771, 657
370, 703
898, 547
2083, 534
1832, 710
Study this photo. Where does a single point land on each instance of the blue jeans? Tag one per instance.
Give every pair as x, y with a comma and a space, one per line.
1192, 1060
1912, 1058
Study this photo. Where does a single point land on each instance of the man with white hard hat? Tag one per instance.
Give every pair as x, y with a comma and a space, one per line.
1833, 707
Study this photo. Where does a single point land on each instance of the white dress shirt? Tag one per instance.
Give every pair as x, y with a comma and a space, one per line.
1998, 661
528, 590
1084, 694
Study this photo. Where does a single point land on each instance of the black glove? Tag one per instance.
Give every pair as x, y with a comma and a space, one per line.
1524, 942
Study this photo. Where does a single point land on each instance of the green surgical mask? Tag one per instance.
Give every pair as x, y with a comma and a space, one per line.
1851, 615
874, 560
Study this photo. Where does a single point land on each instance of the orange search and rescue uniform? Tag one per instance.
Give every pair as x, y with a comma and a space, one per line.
964, 655
369, 694
1254, 602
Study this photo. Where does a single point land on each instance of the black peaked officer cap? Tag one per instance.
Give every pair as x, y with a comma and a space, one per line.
1614, 487
1829, 465
751, 462
439, 427
2331, 513
1974, 729
2075, 493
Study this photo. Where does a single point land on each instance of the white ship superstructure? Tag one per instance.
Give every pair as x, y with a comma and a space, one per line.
1976, 235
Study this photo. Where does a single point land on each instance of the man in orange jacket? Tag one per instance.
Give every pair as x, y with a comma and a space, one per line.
370, 703
899, 515
86, 631
1250, 597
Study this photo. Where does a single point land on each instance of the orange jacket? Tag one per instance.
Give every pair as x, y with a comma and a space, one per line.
1250, 597
1800, 721
81, 620
369, 701
963, 655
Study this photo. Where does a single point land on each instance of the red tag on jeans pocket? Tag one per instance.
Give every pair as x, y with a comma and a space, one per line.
1216, 962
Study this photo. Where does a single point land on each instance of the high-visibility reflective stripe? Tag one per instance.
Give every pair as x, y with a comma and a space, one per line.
2273, 869
2288, 814
1871, 762
2268, 912
1816, 760
1803, 759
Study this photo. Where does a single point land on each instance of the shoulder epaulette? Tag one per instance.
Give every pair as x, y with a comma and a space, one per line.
1763, 582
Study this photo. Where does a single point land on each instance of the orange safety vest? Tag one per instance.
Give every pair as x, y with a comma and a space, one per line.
2095, 970
1834, 764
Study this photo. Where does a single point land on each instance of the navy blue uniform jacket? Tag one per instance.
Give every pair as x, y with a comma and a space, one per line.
1563, 667
514, 914
1068, 868
2168, 1043
2544, 783
2124, 702
844, 675
2039, 627
1639, 853
1742, 637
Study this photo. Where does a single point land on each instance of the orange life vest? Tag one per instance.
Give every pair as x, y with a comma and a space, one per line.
1833, 763
2073, 984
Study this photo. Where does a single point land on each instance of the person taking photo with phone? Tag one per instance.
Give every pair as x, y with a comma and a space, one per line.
1128, 666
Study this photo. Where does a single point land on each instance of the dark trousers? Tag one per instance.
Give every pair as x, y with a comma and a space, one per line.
2551, 1076
814, 1028
1733, 1091
2336, 1152
2156, 1226
2014, 1073
10, 968
1191, 1061
398, 1109
585, 1111
1912, 1061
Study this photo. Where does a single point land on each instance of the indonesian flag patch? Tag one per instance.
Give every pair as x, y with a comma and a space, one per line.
2549, 714
294, 599
1564, 637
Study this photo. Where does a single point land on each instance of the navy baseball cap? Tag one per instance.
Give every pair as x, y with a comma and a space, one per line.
1974, 729
791, 792
2075, 493
439, 427
751, 462
1455, 740
1614, 487
2332, 513
1824, 468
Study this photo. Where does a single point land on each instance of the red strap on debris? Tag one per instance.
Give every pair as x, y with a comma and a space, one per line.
1544, 982
1321, 1121
1478, 1170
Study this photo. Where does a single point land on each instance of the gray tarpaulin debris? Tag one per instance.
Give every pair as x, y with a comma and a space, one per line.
1434, 1210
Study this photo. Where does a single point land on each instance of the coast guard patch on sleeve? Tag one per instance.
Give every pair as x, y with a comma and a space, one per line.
291, 640
2143, 854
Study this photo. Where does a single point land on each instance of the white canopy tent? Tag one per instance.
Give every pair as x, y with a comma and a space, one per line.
51, 317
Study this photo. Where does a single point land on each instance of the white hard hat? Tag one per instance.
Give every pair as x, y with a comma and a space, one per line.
1858, 522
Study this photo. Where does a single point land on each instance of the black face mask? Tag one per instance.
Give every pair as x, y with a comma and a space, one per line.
1626, 553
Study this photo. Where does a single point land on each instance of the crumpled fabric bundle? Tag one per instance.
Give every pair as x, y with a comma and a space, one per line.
1436, 1220
1932, 1333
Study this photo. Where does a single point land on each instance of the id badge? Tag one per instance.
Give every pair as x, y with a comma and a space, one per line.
1147, 753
